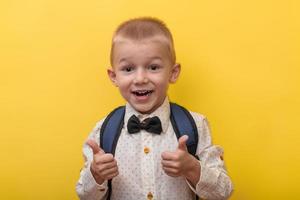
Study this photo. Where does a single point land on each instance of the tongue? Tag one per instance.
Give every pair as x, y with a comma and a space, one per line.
142, 96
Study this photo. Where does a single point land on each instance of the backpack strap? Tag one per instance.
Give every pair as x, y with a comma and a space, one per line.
184, 124
109, 135
111, 129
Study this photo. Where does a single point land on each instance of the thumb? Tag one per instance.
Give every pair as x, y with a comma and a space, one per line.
94, 146
182, 142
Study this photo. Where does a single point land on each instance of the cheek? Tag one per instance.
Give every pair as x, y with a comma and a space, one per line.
124, 91
162, 80
123, 81
124, 86
162, 85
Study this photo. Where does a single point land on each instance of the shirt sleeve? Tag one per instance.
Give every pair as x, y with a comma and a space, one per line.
214, 182
87, 188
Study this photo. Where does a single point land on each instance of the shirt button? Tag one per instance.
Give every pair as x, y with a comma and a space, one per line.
149, 196
146, 150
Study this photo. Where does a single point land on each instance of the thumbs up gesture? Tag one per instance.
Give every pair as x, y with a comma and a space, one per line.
181, 162
104, 166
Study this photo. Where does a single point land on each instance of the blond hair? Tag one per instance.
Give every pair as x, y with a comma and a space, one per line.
144, 28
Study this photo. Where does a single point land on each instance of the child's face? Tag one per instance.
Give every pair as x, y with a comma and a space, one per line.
143, 70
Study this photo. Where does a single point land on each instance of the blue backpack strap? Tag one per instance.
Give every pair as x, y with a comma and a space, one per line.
111, 129
109, 134
184, 124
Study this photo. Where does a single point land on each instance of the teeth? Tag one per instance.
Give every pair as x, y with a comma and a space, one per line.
142, 92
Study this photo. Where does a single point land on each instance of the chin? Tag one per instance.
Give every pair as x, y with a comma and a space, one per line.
143, 109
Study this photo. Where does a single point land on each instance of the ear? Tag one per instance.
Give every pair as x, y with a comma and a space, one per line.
112, 76
175, 71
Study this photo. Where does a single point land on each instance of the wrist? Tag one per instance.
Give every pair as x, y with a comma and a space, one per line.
193, 171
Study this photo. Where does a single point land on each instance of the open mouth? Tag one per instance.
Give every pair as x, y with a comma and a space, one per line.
142, 92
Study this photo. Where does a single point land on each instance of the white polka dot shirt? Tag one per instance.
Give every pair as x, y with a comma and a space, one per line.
139, 162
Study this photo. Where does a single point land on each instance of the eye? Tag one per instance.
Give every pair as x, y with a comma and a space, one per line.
127, 69
153, 67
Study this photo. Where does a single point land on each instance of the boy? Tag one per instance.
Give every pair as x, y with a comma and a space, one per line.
150, 163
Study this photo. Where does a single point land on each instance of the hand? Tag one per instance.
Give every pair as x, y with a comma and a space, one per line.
181, 162
104, 166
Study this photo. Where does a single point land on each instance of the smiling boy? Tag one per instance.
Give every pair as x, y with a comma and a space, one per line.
148, 163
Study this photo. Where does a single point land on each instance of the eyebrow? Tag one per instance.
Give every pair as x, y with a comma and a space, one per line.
150, 57
155, 57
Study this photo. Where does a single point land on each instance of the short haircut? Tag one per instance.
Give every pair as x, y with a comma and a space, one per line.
144, 28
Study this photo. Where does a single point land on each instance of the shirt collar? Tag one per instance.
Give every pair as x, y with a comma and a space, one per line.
163, 112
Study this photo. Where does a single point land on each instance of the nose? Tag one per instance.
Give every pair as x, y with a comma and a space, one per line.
140, 77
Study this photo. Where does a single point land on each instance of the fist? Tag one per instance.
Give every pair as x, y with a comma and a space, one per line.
174, 163
104, 165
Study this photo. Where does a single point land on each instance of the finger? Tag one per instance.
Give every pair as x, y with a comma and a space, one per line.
171, 164
94, 146
110, 171
109, 165
171, 171
107, 158
167, 155
101, 159
112, 175
182, 142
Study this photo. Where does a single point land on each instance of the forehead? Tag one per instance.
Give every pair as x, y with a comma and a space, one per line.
137, 49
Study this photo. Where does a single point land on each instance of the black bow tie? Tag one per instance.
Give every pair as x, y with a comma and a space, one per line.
152, 125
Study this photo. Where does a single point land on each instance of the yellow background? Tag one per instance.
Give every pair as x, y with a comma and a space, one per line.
240, 68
